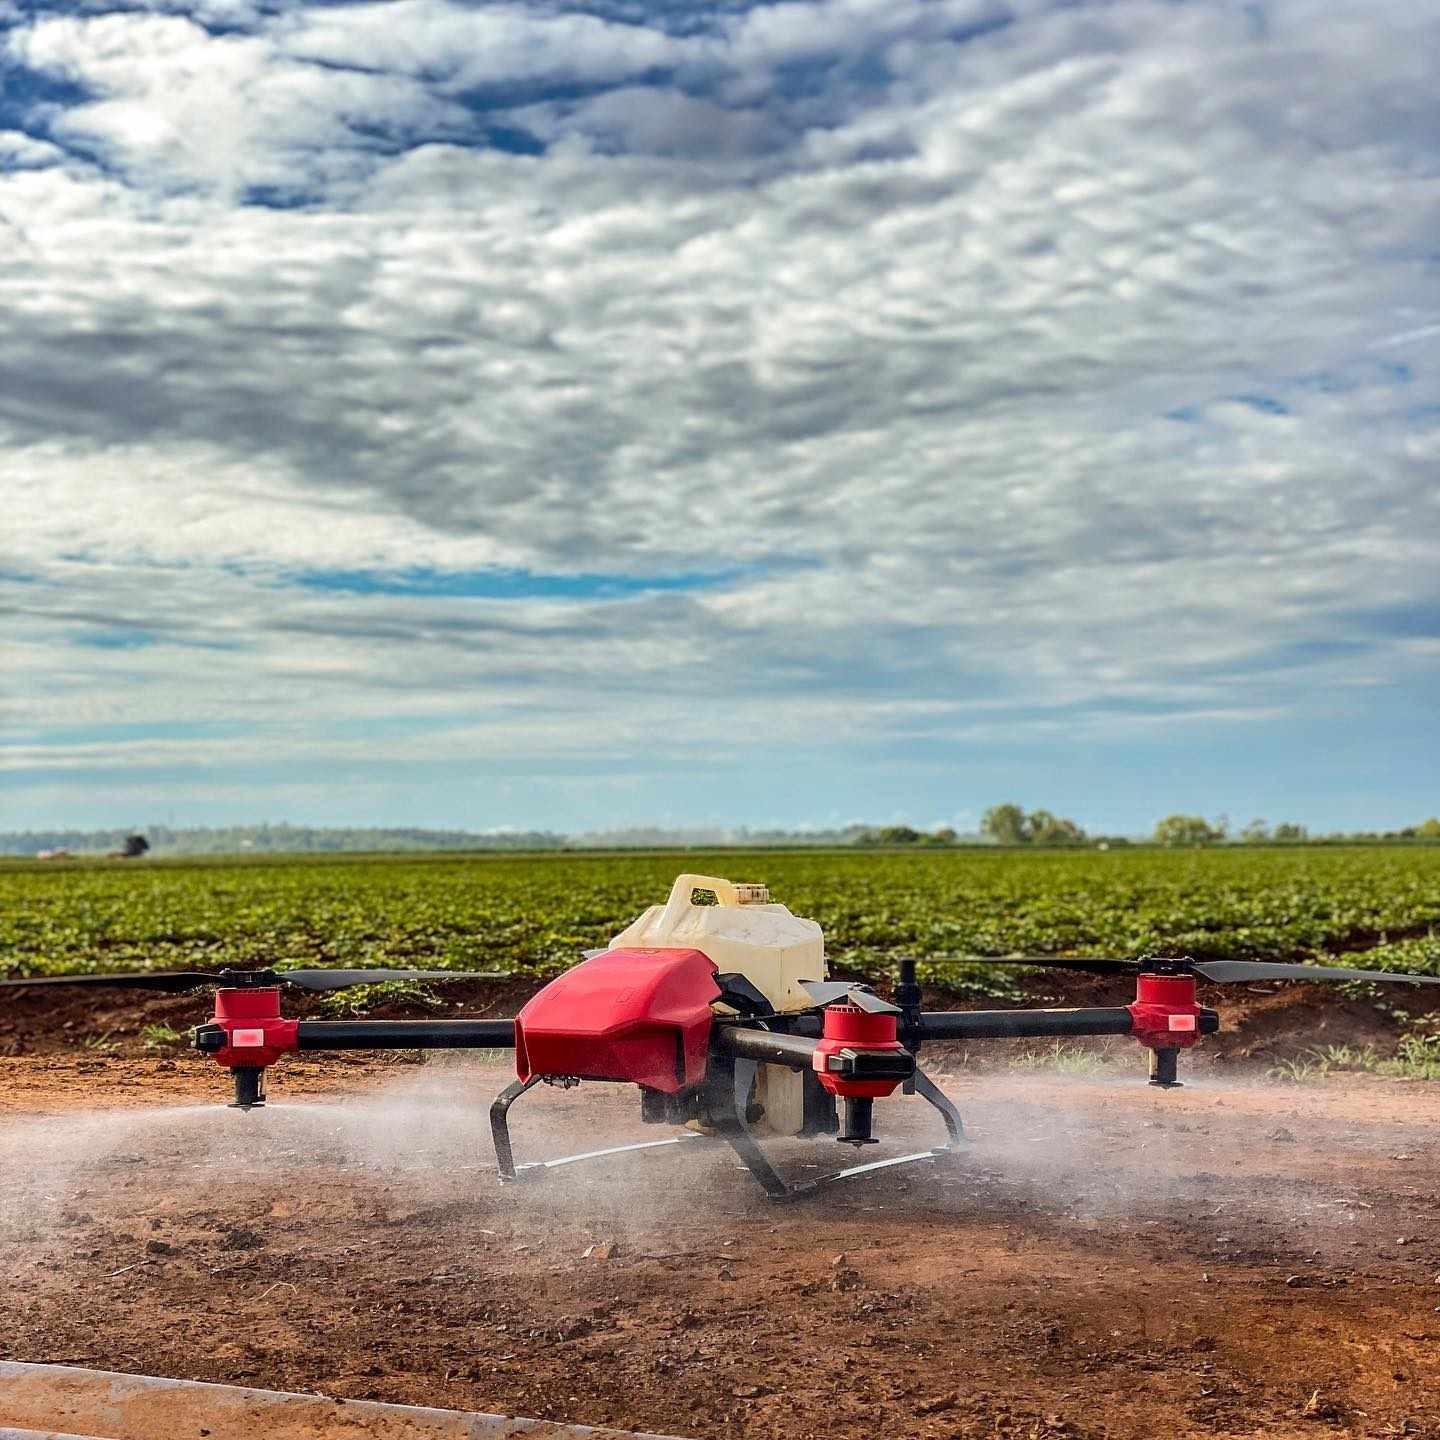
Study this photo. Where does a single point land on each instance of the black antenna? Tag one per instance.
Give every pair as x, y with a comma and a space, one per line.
907, 997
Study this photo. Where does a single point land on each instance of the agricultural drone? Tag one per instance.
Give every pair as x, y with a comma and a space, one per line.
724, 1019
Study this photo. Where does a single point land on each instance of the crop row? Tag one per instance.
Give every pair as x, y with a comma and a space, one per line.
534, 914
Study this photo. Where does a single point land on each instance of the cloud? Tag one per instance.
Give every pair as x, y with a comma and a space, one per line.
176, 105
1018, 358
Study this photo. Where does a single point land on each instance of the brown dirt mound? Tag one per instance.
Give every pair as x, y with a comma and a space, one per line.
1263, 1023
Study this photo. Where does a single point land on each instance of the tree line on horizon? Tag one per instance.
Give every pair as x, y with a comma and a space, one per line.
1007, 825
1011, 824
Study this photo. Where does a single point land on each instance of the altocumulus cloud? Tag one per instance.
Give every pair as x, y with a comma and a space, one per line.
807, 388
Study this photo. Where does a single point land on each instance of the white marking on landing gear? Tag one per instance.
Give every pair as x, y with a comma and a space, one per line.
885, 1164
613, 1150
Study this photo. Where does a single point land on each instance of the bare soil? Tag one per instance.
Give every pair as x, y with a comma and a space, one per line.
1230, 1259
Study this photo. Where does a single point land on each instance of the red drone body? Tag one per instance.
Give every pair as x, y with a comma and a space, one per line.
632, 1014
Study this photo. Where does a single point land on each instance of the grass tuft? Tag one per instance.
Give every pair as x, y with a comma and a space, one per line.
1417, 1057
1061, 1058
358, 999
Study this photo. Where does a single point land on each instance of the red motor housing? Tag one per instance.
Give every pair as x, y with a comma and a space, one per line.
633, 1014
849, 1028
256, 1034
1165, 1015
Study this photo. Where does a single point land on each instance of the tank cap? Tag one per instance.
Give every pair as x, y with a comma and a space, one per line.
753, 894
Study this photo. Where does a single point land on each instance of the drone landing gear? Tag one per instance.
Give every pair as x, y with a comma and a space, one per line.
725, 1106
534, 1169
730, 1102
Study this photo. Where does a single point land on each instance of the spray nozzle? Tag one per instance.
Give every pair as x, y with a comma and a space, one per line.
249, 1087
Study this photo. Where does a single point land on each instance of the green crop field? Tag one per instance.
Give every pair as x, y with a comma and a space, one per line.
535, 913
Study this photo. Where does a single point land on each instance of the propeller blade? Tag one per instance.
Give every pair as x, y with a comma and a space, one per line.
343, 979
1232, 970
836, 992
1222, 971
177, 982
872, 1004
826, 992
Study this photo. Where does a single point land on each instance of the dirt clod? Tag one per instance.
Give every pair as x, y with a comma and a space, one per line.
240, 1238
940, 1403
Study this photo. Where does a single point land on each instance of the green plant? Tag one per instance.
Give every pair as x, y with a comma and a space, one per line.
1299, 1070
1062, 1058
1417, 1058
360, 998
1347, 1057
534, 914
156, 1037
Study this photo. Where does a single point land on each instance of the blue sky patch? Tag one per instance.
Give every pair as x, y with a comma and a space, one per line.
1404, 622
119, 638
1265, 404
60, 735
502, 584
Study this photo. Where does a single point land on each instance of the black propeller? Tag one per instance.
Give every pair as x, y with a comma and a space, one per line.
1227, 970
1221, 971
835, 992
177, 982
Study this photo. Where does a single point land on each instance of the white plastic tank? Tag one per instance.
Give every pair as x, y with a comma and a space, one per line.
772, 948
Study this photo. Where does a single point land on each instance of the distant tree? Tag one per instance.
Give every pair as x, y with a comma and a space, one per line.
1048, 829
1428, 829
1176, 830
1256, 832
904, 835
1288, 833
1006, 824
135, 846
891, 835
1010, 825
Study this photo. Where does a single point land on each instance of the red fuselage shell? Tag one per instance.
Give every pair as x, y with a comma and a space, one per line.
632, 1014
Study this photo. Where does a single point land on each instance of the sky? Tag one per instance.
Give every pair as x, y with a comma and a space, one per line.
587, 413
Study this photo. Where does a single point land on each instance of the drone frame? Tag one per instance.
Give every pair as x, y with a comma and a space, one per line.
693, 1040
714, 1092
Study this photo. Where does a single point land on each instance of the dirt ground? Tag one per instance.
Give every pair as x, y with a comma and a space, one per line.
1233, 1258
